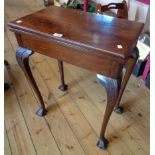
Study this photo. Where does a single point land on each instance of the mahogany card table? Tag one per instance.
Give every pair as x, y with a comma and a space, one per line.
99, 43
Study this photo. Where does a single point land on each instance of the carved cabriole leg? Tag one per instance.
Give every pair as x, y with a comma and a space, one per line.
112, 86
130, 65
63, 86
22, 56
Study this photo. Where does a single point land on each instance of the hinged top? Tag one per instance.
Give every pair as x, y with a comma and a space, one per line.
100, 33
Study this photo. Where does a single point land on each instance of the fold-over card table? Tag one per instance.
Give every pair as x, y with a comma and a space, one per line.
99, 43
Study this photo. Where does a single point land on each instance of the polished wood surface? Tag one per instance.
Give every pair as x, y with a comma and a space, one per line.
80, 109
104, 51
22, 56
91, 32
90, 59
63, 86
130, 66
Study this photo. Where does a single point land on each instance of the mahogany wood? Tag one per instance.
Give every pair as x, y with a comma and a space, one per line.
93, 33
99, 43
22, 56
130, 65
121, 13
112, 88
63, 86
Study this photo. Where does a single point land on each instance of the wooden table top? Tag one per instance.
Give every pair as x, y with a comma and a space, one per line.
96, 32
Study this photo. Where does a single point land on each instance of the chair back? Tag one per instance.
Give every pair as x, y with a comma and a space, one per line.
121, 7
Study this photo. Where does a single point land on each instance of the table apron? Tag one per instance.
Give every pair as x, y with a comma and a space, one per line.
90, 60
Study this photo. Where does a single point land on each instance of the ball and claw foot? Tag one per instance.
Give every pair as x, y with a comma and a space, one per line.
63, 87
118, 110
41, 112
102, 143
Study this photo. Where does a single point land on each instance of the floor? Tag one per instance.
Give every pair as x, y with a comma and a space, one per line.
72, 124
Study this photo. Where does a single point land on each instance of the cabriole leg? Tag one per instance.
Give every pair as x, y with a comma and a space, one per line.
22, 56
112, 88
130, 66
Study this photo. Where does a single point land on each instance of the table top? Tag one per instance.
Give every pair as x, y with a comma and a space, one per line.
100, 33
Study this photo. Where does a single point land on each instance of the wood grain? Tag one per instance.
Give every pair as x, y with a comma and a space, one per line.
82, 84
91, 31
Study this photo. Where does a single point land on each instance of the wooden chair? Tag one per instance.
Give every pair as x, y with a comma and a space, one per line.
121, 7
48, 3
121, 13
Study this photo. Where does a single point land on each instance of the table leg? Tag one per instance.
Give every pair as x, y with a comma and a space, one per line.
130, 65
63, 86
112, 88
22, 56
6, 63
